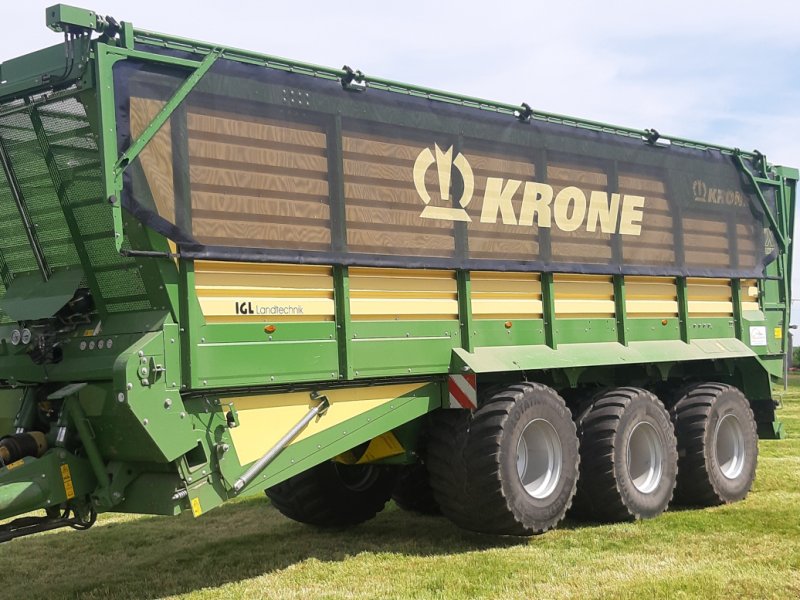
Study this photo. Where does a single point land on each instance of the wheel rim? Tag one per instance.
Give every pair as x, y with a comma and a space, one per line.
356, 478
645, 457
539, 458
729, 446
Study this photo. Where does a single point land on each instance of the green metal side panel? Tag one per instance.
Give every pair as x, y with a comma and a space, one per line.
30, 298
40, 69
10, 403
528, 358
242, 354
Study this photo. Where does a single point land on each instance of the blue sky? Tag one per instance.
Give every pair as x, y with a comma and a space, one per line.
722, 72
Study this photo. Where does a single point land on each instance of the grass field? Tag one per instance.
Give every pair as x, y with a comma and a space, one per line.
247, 550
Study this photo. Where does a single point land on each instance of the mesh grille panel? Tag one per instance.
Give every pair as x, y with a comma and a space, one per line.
69, 149
37, 190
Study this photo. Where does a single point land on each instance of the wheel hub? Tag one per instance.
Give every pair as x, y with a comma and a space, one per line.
729, 446
645, 457
539, 458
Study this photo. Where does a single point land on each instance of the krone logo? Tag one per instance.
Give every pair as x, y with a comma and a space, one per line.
714, 195
444, 165
700, 190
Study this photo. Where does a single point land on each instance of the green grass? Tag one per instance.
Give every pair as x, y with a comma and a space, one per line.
247, 550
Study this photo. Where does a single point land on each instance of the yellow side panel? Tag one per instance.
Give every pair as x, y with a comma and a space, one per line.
401, 294
651, 297
232, 292
583, 295
498, 295
749, 294
709, 297
263, 420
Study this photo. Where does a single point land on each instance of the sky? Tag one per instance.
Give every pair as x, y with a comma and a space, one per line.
723, 72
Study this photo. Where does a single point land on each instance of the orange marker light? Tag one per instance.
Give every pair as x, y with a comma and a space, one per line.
663, 321
508, 324
270, 328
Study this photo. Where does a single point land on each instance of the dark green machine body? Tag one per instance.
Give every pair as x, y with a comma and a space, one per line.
109, 348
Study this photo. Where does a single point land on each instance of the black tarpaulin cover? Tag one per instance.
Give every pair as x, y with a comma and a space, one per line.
261, 164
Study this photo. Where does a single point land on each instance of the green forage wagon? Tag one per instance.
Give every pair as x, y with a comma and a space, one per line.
224, 273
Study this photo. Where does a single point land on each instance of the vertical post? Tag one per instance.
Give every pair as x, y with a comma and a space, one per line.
78, 418
736, 298
782, 203
27, 411
464, 287
341, 273
107, 135
620, 310
549, 310
341, 297
182, 203
186, 292
683, 307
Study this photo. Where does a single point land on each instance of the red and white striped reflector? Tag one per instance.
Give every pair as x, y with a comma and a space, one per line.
463, 391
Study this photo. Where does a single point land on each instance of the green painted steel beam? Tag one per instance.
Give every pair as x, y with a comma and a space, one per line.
341, 296
78, 418
464, 287
777, 231
736, 299
681, 288
36, 483
173, 61
39, 71
21, 497
530, 358
64, 18
620, 312
166, 111
102, 104
549, 310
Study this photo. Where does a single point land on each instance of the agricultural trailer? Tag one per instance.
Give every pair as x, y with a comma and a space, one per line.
225, 273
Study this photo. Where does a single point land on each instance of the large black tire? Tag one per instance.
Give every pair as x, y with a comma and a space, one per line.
447, 470
413, 491
518, 469
717, 443
334, 495
629, 457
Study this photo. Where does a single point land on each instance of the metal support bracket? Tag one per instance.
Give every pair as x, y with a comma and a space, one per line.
257, 467
525, 113
773, 224
353, 80
166, 112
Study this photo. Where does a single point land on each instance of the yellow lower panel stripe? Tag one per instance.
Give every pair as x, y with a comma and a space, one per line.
264, 419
